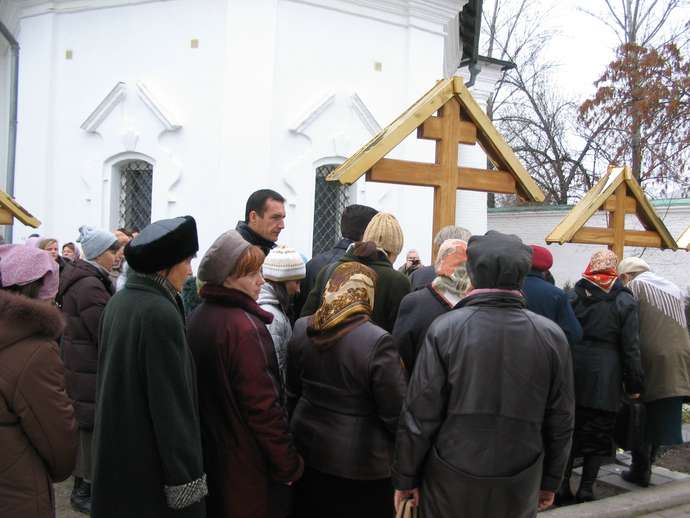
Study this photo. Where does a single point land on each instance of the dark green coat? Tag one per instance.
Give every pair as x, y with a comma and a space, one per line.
147, 441
391, 285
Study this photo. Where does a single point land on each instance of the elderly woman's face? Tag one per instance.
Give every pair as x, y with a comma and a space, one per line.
249, 284
178, 274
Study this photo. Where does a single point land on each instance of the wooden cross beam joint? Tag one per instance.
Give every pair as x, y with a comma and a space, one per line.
449, 129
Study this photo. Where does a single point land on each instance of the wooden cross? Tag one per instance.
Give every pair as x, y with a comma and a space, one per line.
449, 129
617, 193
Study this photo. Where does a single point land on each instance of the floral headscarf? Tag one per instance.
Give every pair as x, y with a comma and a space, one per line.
347, 302
452, 281
601, 270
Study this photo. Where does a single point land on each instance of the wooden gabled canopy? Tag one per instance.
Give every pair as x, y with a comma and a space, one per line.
460, 120
10, 209
617, 193
684, 239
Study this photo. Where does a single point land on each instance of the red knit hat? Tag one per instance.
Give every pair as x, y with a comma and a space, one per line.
542, 259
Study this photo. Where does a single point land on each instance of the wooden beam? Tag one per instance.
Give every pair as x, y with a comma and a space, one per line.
630, 204
604, 236
388, 170
432, 129
445, 195
618, 223
495, 145
6, 216
390, 136
471, 179
593, 236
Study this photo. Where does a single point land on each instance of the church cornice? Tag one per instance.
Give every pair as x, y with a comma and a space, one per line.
38, 7
429, 15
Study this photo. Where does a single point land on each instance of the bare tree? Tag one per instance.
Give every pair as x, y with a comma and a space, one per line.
537, 121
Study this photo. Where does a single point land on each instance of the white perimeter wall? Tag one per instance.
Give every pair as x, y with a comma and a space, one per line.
570, 260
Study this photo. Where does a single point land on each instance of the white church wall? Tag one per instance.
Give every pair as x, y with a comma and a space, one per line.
570, 260
65, 169
242, 111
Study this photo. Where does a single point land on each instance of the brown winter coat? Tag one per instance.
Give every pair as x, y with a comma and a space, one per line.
248, 451
38, 432
84, 292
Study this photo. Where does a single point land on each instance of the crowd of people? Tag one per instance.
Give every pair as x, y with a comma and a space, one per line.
268, 386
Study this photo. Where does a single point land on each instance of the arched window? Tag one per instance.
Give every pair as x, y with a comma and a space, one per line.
136, 192
330, 199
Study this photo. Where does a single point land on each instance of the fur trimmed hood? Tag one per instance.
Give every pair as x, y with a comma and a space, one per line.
22, 317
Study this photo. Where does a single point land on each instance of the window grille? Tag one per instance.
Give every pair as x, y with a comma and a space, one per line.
136, 193
330, 200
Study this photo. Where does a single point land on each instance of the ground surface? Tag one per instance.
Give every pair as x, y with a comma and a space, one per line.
675, 459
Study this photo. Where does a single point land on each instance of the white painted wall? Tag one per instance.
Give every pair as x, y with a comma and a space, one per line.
274, 89
570, 260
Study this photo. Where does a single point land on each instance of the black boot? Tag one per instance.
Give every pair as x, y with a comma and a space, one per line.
564, 495
640, 471
590, 470
81, 496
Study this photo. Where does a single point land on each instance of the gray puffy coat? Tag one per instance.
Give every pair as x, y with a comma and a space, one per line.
280, 328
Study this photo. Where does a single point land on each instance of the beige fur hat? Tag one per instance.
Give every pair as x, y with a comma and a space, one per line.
632, 265
385, 231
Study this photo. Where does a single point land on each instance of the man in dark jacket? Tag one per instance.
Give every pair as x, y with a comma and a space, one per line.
264, 219
547, 300
423, 276
147, 456
487, 422
353, 222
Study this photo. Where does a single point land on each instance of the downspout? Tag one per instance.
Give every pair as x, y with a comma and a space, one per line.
12, 136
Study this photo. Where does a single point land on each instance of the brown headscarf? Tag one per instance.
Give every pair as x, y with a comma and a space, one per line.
347, 303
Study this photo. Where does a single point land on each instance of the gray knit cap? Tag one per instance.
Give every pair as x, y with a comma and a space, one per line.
94, 241
221, 258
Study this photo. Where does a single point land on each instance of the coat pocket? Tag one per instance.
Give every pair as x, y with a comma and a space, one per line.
450, 491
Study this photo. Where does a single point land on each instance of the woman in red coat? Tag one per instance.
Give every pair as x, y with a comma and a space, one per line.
249, 456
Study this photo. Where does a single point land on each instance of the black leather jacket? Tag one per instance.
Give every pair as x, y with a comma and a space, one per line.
488, 416
346, 401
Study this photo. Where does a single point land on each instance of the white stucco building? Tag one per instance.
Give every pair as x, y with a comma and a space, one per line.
213, 99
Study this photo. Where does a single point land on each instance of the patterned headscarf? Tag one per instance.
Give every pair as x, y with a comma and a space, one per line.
452, 281
601, 270
347, 302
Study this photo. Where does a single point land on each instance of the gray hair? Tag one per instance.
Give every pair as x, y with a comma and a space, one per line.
451, 232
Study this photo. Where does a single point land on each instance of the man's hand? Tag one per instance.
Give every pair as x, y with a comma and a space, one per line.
409, 493
634, 396
545, 499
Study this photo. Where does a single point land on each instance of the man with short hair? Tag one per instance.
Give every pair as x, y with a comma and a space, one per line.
353, 222
487, 423
264, 219
412, 263
426, 274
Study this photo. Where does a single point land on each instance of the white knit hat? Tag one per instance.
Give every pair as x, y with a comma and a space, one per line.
284, 264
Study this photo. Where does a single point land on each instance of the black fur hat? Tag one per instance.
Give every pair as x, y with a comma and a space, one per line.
162, 245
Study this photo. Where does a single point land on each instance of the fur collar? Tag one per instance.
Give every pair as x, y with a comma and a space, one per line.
22, 317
